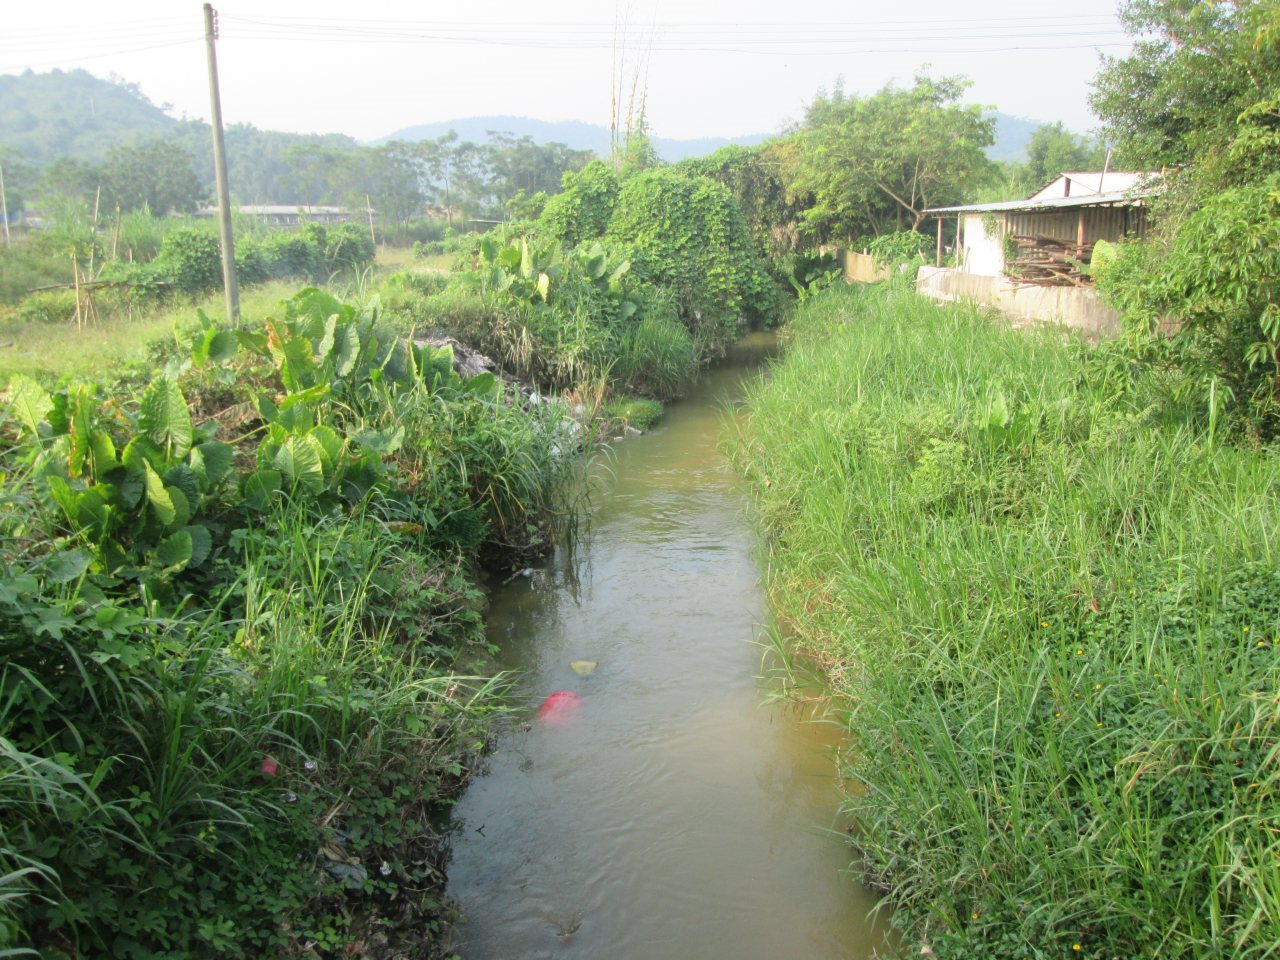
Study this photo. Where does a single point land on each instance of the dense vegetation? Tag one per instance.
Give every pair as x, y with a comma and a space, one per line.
233, 603
623, 280
1199, 96
1052, 610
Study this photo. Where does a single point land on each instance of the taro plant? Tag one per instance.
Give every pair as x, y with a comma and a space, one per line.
133, 486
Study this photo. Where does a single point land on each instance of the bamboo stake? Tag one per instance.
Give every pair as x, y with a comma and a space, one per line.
93, 230
75, 278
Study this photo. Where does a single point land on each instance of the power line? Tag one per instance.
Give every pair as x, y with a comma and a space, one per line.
99, 56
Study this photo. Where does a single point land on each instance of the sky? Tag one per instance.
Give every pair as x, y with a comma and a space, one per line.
708, 68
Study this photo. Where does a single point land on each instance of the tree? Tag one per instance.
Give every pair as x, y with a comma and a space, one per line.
1195, 67
158, 176
1054, 150
1212, 263
872, 164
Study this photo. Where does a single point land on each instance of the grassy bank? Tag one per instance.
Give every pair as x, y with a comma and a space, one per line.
1053, 612
239, 624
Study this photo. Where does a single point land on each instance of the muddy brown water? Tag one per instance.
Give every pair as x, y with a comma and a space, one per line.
678, 813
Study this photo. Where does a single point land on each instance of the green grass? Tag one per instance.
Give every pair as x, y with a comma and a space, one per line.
48, 351
1053, 613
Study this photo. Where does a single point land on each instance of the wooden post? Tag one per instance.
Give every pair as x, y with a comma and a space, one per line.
229, 288
1080, 235
938, 262
4, 208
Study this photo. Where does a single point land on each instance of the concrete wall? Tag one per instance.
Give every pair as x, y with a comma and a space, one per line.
858, 267
1076, 307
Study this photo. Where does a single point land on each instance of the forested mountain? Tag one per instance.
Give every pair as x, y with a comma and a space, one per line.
45, 116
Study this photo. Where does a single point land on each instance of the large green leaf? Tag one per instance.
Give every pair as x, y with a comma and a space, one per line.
292, 355
160, 497
381, 441
211, 461
299, 463
329, 444
185, 479
29, 402
173, 554
79, 429
164, 418
259, 487
201, 543
102, 453
346, 350
223, 345
325, 346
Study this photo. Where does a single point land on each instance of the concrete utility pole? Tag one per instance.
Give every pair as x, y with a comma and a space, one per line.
220, 172
4, 207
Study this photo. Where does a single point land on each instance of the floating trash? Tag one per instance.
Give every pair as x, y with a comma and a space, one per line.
559, 708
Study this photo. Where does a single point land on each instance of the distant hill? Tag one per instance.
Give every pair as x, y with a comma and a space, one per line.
572, 133
44, 116
1012, 136
77, 116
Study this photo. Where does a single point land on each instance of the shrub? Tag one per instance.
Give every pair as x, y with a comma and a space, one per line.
48, 306
189, 261
583, 210
688, 235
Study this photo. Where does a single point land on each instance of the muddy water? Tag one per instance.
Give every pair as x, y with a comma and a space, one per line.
676, 814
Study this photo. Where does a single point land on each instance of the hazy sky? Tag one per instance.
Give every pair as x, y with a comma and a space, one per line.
711, 67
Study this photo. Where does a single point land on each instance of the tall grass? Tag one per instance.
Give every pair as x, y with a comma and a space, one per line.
1053, 612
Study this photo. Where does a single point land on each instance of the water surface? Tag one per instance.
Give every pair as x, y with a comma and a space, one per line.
677, 814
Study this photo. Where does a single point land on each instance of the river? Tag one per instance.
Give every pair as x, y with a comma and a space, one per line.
678, 813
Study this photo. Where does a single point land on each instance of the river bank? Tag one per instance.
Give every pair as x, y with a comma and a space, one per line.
241, 629
1051, 609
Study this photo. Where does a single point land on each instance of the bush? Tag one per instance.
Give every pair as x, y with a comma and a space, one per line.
634, 412
48, 306
229, 718
893, 251
688, 235
189, 261
583, 210
349, 248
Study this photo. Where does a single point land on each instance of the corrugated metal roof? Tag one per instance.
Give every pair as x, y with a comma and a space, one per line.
1133, 198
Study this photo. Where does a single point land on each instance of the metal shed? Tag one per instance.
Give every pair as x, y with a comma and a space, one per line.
1054, 230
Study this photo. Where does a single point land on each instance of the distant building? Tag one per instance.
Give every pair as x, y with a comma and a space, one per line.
1047, 237
285, 215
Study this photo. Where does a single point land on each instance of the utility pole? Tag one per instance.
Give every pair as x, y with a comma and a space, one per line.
4, 207
220, 172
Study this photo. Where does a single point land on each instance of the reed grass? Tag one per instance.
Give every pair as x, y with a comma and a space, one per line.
1053, 611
